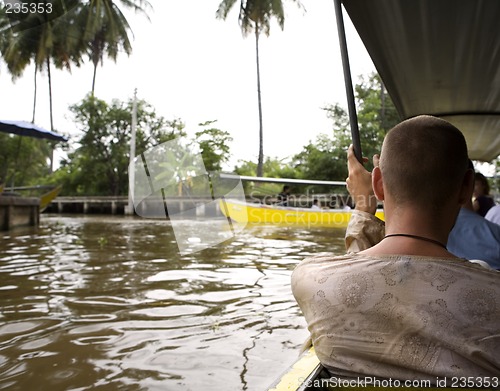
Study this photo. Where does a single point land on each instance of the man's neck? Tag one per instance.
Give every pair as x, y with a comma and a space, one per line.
421, 224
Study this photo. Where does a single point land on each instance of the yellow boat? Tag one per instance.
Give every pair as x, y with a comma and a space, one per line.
45, 193
307, 374
46, 198
242, 213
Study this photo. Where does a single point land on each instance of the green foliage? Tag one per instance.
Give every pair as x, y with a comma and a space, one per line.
376, 113
99, 165
23, 160
256, 15
65, 36
213, 145
273, 168
36, 36
325, 158
104, 30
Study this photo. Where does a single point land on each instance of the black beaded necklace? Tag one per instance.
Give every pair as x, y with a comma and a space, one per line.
419, 238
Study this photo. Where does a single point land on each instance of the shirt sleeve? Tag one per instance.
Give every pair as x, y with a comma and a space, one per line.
363, 231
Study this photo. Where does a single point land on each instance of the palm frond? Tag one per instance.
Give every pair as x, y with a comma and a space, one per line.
256, 15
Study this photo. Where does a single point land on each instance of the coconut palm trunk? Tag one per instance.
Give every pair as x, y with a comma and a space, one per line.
34, 94
93, 78
260, 163
255, 16
97, 51
50, 94
51, 157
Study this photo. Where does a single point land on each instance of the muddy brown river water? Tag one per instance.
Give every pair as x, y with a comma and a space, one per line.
108, 303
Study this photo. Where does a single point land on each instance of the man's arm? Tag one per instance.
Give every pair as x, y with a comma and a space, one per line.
364, 229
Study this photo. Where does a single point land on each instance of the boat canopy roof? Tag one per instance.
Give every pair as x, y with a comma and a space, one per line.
23, 128
438, 57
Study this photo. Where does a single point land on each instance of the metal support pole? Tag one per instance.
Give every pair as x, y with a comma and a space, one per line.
351, 103
131, 175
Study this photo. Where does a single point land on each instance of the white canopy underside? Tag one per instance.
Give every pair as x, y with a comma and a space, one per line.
438, 57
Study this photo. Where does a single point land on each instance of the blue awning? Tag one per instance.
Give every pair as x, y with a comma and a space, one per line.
23, 128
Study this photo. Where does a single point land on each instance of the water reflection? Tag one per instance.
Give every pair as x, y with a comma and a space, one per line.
108, 303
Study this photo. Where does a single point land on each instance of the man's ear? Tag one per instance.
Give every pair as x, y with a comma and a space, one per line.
378, 183
467, 187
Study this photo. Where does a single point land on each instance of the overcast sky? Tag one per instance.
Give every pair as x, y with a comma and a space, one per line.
190, 65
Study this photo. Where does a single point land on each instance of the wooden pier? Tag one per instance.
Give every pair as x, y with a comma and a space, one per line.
19, 212
156, 207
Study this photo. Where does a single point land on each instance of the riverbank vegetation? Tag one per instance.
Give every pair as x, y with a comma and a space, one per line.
97, 160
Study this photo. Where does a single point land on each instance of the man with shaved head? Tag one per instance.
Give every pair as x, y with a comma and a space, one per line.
402, 306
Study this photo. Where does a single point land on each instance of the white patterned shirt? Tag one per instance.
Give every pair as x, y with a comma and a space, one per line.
401, 316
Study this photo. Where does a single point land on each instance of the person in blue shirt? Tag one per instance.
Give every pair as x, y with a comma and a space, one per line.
474, 237
483, 201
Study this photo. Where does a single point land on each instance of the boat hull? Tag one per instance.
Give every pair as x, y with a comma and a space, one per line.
307, 374
46, 198
243, 213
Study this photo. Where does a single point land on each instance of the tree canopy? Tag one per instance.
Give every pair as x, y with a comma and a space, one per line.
32, 153
62, 33
325, 158
99, 163
214, 146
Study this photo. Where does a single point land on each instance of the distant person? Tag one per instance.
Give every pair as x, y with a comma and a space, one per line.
345, 203
284, 196
405, 307
475, 238
315, 205
483, 201
493, 215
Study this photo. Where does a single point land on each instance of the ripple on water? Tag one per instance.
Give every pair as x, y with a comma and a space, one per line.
99, 302
171, 311
95, 318
104, 339
25, 328
128, 312
8, 287
160, 294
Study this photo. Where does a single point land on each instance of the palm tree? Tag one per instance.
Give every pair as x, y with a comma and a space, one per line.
255, 16
41, 38
17, 50
106, 30
57, 38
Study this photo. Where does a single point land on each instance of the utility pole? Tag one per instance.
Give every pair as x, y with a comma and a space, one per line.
129, 210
